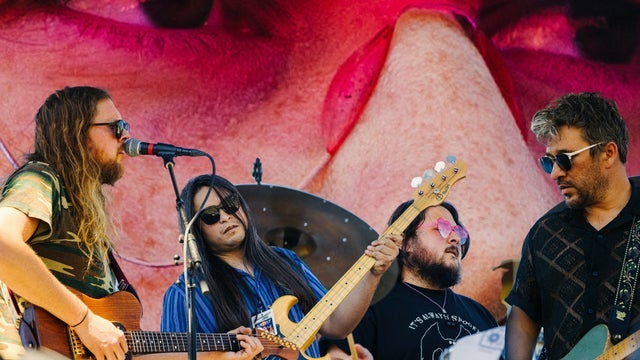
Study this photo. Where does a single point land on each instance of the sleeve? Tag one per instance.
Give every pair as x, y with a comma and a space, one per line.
316, 286
173, 310
524, 293
364, 334
32, 192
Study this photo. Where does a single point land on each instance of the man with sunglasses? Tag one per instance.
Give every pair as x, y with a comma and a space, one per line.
245, 275
54, 229
422, 315
572, 258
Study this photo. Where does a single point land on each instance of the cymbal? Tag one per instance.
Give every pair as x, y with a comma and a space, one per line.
327, 237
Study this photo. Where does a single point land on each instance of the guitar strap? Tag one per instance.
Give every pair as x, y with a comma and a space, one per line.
621, 312
123, 283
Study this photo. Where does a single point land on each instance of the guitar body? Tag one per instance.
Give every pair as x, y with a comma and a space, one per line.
48, 331
592, 344
40, 328
287, 328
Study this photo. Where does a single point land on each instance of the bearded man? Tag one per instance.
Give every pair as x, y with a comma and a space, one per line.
421, 316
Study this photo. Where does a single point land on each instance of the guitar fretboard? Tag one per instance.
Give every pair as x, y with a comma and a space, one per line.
302, 334
145, 342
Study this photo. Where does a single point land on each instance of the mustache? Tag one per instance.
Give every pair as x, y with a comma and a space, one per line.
454, 248
561, 183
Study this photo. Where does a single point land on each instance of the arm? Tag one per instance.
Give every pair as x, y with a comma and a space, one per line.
345, 318
336, 353
25, 273
521, 335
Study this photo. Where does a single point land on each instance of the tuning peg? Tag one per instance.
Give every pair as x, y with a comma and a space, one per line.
451, 159
428, 175
440, 165
415, 182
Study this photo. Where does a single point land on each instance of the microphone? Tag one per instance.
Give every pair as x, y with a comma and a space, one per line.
135, 147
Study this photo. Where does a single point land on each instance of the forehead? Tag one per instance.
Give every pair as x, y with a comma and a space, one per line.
106, 111
435, 212
213, 199
568, 139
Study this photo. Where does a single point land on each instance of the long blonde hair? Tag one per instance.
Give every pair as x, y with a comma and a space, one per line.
61, 135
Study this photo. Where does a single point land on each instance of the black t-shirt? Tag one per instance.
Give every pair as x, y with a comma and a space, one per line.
406, 325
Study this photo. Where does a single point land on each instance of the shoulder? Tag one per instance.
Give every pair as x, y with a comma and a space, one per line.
176, 288
36, 173
399, 293
557, 217
635, 193
476, 308
286, 253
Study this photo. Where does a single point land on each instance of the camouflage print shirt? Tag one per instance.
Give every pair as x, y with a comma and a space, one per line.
36, 190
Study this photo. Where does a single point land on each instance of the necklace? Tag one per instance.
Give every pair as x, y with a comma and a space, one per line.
444, 303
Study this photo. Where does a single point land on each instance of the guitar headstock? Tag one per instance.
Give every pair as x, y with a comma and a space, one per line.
276, 346
434, 185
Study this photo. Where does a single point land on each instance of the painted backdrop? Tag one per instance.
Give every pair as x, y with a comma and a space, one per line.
344, 99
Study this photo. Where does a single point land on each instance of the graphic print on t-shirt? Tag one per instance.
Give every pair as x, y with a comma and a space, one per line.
439, 331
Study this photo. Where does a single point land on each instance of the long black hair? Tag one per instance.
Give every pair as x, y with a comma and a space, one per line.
225, 283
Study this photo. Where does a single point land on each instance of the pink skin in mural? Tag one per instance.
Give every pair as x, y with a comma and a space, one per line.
345, 99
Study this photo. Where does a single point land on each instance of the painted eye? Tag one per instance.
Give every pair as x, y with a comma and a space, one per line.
157, 13
124, 11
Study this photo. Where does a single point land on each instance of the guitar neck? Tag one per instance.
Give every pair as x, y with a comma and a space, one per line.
311, 323
622, 349
302, 334
149, 342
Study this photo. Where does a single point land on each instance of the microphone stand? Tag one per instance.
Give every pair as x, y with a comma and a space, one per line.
193, 260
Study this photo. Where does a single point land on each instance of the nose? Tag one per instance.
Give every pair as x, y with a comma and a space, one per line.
453, 238
556, 172
224, 217
126, 134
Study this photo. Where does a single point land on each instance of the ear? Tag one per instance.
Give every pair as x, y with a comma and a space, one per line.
611, 154
408, 243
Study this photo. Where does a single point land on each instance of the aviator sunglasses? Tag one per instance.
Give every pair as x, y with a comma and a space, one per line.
563, 160
118, 127
211, 215
445, 229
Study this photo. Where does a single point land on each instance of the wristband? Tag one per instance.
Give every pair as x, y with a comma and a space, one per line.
83, 318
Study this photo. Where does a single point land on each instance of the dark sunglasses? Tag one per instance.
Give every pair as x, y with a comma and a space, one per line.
118, 127
563, 160
211, 215
445, 228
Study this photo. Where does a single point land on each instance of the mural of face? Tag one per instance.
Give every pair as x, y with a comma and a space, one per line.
346, 99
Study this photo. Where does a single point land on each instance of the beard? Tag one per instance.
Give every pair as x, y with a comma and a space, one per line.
590, 191
111, 172
430, 270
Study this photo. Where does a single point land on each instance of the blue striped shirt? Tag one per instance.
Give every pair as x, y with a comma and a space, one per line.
174, 317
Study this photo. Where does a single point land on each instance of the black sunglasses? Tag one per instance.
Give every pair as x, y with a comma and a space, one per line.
211, 215
563, 160
118, 127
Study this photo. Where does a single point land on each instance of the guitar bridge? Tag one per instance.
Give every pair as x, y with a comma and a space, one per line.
77, 349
